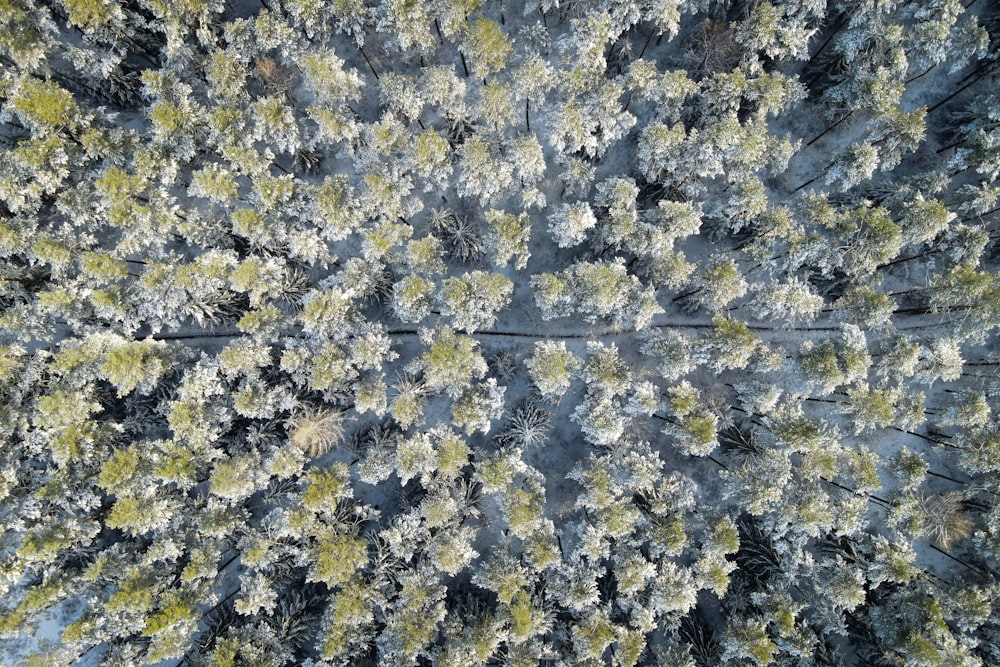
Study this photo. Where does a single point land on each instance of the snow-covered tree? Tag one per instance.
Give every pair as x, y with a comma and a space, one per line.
473, 300
508, 238
551, 367
569, 223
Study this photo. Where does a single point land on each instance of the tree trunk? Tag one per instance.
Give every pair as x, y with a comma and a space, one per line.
367, 60
830, 129
977, 76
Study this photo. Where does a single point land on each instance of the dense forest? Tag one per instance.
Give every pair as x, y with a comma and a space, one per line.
458, 333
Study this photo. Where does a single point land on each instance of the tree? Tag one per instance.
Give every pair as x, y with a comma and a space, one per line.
569, 223
477, 406
976, 294
316, 431
523, 505
414, 458
899, 132
529, 426
786, 302
551, 367
662, 150
400, 94
595, 289
483, 171
407, 23
729, 346
273, 119
695, 428
769, 31
474, 299
670, 350
873, 239
874, 408
411, 298
602, 419
853, 166
865, 306
431, 157
45, 106
528, 157
486, 46
748, 639
327, 313
335, 208
413, 620
508, 238
407, 408
325, 75
604, 371
450, 362
674, 591
717, 285
937, 37
495, 108
337, 557
942, 360
531, 79
502, 574
451, 551
828, 365
137, 365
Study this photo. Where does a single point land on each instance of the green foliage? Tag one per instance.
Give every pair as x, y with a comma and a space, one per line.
477, 406
45, 105
119, 469
749, 640
325, 487
451, 361
336, 558
137, 365
719, 284
411, 298
486, 46
508, 238
327, 311
731, 344
452, 454
551, 367
138, 516
523, 509
503, 575
234, 478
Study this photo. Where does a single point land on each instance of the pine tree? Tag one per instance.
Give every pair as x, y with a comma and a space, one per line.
136, 365
551, 367
474, 299
569, 223
408, 25
483, 171
431, 159
787, 302
768, 30
730, 346
411, 298
718, 284
451, 361
478, 406
694, 430
486, 46
508, 238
